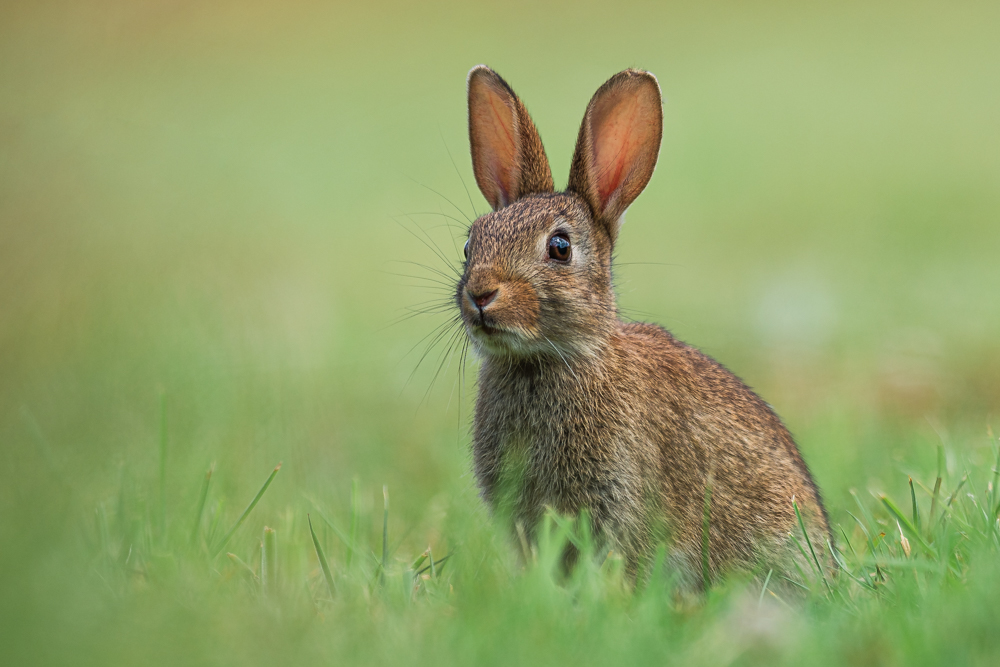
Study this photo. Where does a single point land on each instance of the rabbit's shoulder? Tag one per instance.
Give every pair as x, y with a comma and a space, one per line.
671, 365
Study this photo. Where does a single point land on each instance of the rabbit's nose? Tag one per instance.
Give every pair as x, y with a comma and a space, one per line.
482, 299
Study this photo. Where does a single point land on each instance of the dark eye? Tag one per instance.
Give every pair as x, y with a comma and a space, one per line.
559, 248
466, 249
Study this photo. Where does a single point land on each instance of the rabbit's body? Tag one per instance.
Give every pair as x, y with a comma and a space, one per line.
577, 410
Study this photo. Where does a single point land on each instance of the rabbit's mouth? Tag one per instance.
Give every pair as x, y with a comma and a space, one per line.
484, 324
489, 334
506, 340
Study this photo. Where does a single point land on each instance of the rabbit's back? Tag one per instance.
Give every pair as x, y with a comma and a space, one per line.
716, 438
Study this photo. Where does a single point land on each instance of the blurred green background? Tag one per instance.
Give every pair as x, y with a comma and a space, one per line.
209, 201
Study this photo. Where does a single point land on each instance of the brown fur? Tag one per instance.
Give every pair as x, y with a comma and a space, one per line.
579, 410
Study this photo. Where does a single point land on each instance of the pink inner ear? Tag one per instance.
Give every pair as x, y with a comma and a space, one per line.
620, 129
495, 127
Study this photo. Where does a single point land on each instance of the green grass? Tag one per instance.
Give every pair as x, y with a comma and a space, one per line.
203, 218
891, 601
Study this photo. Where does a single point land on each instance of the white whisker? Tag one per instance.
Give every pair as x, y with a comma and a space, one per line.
561, 356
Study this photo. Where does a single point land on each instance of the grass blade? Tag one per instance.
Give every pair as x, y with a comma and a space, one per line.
355, 520
246, 512
767, 580
420, 560
864, 529
869, 520
321, 556
433, 566
864, 582
934, 500
269, 561
802, 550
802, 525
913, 500
202, 497
570, 528
336, 531
243, 566
797, 584
951, 498
214, 515
905, 522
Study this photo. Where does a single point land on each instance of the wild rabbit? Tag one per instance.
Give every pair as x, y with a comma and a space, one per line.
578, 410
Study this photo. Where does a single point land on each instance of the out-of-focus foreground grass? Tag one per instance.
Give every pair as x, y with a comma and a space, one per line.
204, 212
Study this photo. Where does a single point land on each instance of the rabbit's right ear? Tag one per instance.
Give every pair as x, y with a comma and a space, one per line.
507, 154
618, 144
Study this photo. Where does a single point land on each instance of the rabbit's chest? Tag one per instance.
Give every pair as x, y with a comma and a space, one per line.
537, 449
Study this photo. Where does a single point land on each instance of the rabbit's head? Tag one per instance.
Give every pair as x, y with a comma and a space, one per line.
537, 277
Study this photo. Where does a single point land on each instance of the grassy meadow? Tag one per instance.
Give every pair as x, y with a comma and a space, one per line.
217, 218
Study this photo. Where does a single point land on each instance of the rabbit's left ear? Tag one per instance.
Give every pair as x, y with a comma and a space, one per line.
618, 144
507, 154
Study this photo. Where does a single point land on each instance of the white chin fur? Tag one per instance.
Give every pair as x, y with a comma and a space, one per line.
513, 344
